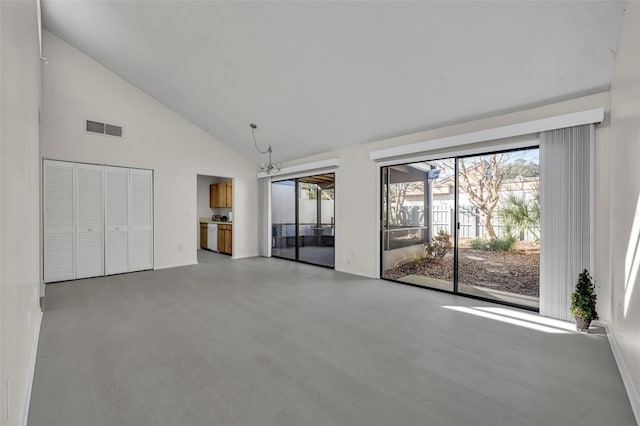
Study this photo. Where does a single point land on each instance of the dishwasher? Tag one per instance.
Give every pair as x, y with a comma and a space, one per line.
212, 236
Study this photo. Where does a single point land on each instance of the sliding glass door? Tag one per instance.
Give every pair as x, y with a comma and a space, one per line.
302, 216
467, 225
283, 219
499, 217
417, 206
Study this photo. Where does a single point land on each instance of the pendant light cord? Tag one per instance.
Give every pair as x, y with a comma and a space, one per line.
253, 133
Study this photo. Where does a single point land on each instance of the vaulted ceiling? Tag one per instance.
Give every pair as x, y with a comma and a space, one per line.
318, 76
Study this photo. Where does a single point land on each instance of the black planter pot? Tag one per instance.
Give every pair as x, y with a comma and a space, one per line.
582, 324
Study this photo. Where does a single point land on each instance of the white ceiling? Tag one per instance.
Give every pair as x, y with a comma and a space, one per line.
317, 76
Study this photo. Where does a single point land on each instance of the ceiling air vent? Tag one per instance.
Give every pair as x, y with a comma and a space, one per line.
103, 129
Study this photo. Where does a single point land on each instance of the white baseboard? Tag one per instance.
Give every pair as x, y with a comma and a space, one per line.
632, 392
360, 274
175, 265
24, 416
244, 256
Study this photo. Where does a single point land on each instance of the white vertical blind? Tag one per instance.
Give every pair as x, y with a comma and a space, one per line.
141, 219
116, 220
59, 218
565, 194
264, 211
90, 220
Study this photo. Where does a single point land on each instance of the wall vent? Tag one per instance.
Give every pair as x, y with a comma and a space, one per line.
103, 129
111, 130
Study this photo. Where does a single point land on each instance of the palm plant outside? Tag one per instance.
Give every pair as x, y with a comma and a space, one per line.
522, 213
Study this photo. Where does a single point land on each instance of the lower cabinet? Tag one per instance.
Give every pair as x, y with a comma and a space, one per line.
203, 235
225, 239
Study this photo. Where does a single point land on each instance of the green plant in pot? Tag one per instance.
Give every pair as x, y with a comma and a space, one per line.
583, 302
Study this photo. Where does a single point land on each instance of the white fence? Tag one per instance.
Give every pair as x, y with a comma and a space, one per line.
471, 223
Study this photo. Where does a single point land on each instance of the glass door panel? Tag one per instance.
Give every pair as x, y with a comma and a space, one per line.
307, 218
302, 216
316, 220
283, 219
418, 202
499, 226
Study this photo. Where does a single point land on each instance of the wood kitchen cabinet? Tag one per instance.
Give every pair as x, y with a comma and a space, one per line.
221, 239
203, 235
225, 238
220, 194
213, 196
229, 192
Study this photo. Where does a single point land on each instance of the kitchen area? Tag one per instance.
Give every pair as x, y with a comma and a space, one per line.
215, 213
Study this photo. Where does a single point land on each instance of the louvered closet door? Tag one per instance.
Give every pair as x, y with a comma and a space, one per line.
141, 242
89, 220
116, 220
59, 252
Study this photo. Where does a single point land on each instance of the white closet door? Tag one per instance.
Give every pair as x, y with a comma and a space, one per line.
59, 252
89, 220
141, 242
116, 220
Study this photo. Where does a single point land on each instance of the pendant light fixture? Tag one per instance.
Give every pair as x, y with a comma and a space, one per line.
268, 168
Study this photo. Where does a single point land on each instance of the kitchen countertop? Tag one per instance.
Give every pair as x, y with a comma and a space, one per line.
219, 222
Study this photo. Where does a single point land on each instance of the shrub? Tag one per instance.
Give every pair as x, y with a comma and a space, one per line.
503, 244
522, 213
479, 244
440, 245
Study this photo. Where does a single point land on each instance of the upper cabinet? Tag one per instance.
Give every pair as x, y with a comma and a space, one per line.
213, 195
229, 200
220, 195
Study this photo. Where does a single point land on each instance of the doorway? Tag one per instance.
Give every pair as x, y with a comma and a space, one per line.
214, 218
467, 225
303, 219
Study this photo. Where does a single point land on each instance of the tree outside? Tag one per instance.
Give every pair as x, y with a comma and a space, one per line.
482, 180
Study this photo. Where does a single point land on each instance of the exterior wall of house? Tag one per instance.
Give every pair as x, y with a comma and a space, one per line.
624, 208
76, 88
20, 272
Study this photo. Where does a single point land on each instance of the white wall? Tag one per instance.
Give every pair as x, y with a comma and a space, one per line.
357, 191
19, 205
625, 192
203, 183
76, 88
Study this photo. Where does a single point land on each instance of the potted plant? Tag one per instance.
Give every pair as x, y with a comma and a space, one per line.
583, 302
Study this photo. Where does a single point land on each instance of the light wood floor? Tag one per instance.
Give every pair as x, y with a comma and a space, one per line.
271, 342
